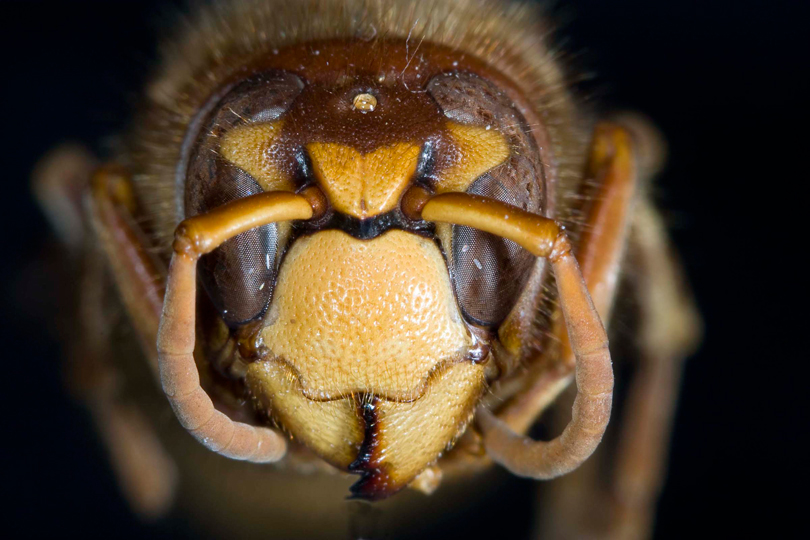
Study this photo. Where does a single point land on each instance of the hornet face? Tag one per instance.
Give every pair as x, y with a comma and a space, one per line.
366, 334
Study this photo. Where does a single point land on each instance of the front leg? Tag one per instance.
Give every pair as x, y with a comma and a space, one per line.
146, 474
668, 329
138, 273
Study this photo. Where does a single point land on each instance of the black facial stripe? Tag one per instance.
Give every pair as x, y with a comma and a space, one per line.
369, 228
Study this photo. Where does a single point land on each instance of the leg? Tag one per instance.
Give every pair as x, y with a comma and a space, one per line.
139, 275
669, 331
59, 182
579, 505
145, 472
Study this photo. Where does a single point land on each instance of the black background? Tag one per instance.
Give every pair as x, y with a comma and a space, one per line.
726, 83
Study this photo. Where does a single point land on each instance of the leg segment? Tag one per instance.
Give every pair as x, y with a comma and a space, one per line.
583, 504
145, 472
669, 331
59, 182
139, 275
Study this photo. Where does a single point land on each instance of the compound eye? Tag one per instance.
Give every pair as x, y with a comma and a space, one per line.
239, 276
490, 273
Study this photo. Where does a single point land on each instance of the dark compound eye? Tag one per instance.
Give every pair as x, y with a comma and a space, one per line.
240, 275
489, 272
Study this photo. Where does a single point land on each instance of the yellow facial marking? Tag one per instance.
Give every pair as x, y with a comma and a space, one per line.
479, 149
412, 435
364, 316
332, 429
248, 147
363, 185
408, 436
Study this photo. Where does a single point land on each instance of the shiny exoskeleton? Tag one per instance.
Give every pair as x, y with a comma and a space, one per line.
385, 236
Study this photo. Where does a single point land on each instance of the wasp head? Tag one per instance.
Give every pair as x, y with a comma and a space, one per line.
373, 333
